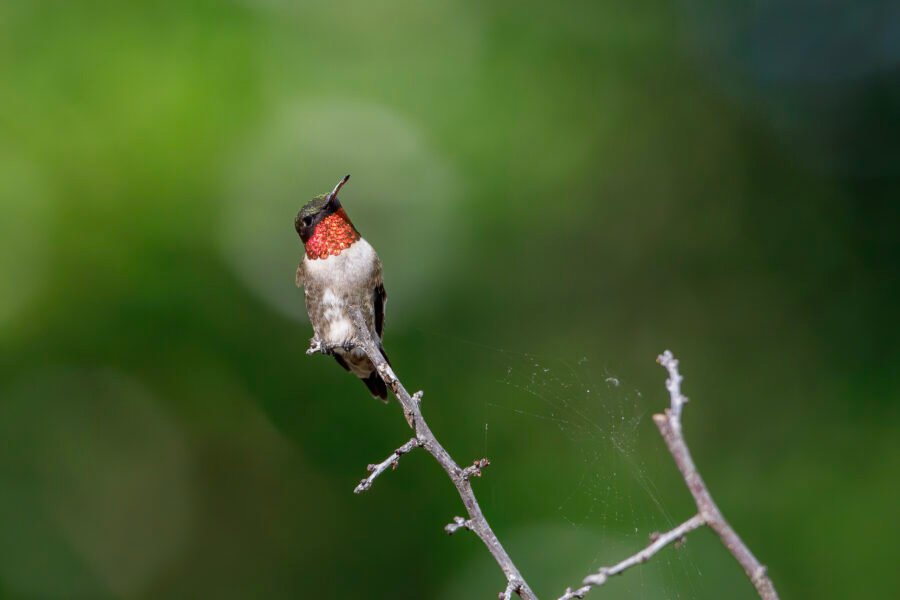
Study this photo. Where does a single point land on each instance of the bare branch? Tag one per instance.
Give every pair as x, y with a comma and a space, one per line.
390, 462
460, 477
669, 425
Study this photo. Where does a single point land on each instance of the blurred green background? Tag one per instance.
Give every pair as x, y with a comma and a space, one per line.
559, 192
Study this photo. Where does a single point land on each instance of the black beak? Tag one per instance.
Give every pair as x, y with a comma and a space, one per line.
337, 188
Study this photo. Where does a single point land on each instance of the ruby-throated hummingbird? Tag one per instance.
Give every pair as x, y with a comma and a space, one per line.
339, 273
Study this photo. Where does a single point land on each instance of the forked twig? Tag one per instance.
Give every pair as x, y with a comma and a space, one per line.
669, 425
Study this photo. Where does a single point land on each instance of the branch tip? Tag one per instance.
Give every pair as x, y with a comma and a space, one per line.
673, 383
575, 594
457, 524
475, 469
391, 462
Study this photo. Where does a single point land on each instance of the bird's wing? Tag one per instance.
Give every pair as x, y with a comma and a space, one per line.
298, 278
379, 299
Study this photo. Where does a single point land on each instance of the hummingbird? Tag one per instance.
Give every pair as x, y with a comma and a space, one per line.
340, 272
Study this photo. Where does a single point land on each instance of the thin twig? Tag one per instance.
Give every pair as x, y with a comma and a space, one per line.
390, 462
669, 425
511, 588
659, 541
460, 477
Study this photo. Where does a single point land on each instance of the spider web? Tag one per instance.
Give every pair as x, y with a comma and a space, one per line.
595, 422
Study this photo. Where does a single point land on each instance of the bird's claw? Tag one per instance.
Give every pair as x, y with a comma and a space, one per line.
317, 347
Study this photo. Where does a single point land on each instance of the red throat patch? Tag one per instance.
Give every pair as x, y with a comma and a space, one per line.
334, 234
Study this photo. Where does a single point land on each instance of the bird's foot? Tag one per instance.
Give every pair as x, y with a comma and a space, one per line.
317, 347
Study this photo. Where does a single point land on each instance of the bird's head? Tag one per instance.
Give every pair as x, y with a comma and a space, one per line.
316, 210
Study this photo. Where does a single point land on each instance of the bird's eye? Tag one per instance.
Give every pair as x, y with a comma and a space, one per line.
307, 221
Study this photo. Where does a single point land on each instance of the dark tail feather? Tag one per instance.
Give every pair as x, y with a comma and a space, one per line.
376, 385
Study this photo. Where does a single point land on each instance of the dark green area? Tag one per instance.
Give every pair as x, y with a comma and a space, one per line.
559, 192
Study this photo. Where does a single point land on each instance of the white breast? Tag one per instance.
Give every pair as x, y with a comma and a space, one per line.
352, 267
340, 327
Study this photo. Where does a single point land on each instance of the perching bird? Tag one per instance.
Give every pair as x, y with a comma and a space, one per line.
340, 272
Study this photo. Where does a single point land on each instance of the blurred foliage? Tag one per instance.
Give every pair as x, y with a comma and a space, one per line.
558, 192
